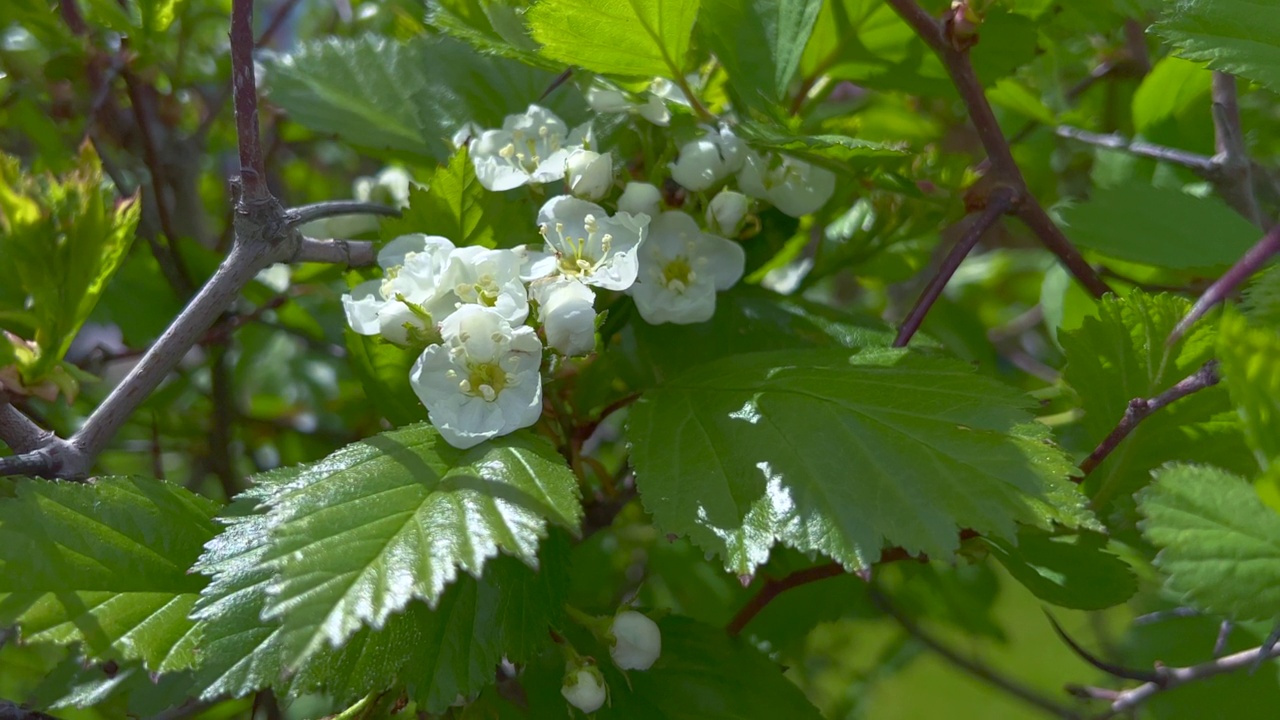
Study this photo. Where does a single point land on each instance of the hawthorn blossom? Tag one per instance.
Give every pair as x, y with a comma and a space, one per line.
589, 174
638, 197
793, 186
637, 641
604, 98
490, 278
726, 211
708, 160
681, 268
482, 380
531, 147
567, 313
584, 243
405, 306
583, 686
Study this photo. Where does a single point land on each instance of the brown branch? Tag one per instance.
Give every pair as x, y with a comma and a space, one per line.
1001, 200
1140, 408
253, 174
1223, 287
774, 588
971, 666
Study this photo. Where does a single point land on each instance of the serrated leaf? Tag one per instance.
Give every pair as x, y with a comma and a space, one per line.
457, 207
1250, 366
1121, 355
404, 98
1164, 227
638, 38
1261, 303
105, 565
843, 455
1241, 37
394, 517
1220, 546
491, 27
838, 153
759, 42
1072, 571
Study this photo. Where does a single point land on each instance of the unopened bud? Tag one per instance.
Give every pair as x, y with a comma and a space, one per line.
584, 687
725, 213
589, 174
637, 641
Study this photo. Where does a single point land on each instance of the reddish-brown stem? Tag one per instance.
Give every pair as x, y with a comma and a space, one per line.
1035, 218
1140, 408
774, 588
1001, 200
253, 174
1251, 262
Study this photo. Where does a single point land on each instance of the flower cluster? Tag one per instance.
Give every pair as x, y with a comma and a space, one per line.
481, 318
635, 643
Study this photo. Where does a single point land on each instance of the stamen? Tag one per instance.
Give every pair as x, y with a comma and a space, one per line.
487, 393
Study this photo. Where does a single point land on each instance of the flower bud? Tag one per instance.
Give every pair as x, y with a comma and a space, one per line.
568, 316
584, 687
607, 100
708, 160
590, 174
725, 213
637, 642
640, 198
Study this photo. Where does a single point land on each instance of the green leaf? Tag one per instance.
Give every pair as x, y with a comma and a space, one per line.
1262, 298
843, 455
835, 152
457, 207
492, 27
1250, 360
1220, 546
1073, 571
1173, 87
394, 518
62, 239
759, 42
105, 564
1121, 355
1161, 227
383, 371
404, 98
1241, 37
640, 38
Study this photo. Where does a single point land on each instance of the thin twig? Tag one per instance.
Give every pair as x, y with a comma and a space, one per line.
334, 208
1246, 266
773, 588
974, 667
1001, 200
1236, 176
1140, 408
1171, 678
253, 174
1202, 165
1106, 667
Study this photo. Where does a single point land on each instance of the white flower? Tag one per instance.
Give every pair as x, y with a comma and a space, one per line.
638, 197
490, 278
411, 298
463, 136
482, 380
584, 687
637, 641
584, 243
681, 268
605, 98
389, 187
530, 148
567, 313
590, 174
708, 160
726, 211
793, 186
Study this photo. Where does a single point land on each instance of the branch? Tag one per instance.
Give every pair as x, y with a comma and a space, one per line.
974, 667
1176, 677
1001, 200
253, 174
1236, 177
1200, 164
18, 431
1140, 408
12, 711
1251, 262
306, 213
352, 253
774, 588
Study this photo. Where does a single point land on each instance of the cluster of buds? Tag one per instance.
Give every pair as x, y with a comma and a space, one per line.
635, 643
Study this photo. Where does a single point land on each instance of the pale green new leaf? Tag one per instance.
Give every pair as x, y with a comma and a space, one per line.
1220, 546
638, 38
1241, 37
1164, 227
1121, 355
843, 455
759, 42
105, 565
838, 153
1250, 358
394, 517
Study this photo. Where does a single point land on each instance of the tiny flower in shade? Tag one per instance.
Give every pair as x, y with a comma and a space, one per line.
681, 268
531, 147
637, 641
388, 187
638, 197
726, 211
482, 381
566, 310
586, 244
708, 160
584, 686
793, 186
490, 278
412, 297
590, 174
